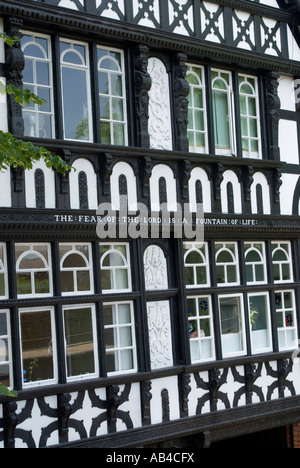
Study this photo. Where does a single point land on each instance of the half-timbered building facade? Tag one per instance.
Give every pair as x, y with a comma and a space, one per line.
125, 341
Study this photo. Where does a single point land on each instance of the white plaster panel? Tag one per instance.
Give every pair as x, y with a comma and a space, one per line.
287, 93
171, 385
287, 190
288, 141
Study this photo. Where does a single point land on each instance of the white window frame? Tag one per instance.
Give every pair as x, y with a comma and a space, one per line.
251, 154
3, 270
42, 383
200, 340
7, 337
235, 263
281, 263
269, 323
95, 374
38, 110
116, 327
192, 108
263, 262
112, 269
243, 352
285, 328
75, 270
31, 248
110, 96
86, 68
192, 247
231, 111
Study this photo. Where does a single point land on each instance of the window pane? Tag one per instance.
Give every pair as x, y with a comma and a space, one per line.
76, 108
119, 337
37, 346
232, 326
79, 342
260, 323
37, 77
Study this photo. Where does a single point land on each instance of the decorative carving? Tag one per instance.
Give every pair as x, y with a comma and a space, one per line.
160, 334
277, 184
15, 64
148, 167
109, 165
146, 397
185, 389
143, 84
160, 128
186, 175
113, 403
273, 110
218, 178
181, 89
40, 194
10, 421
64, 413
165, 401
248, 173
155, 268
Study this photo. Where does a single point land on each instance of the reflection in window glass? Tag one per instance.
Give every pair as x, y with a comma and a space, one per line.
119, 337
286, 320
38, 346
282, 262
197, 126
3, 272
5, 364
37, 77
201, 329
80, 341
260, 321
255, 262
227, 264
76, 268
232, 326
112, 97
249, 113
223, 112
196, 265
76, 91
33, 267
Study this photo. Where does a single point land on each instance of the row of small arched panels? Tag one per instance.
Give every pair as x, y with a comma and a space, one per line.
199, 187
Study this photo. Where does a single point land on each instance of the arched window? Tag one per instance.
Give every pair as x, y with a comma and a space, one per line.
33, 267
76, 268
115, 268
196, 265
197, 127
112, 97
227, 264
255, 263
249, 112
223, 113
76, 95
37, 76
282, 262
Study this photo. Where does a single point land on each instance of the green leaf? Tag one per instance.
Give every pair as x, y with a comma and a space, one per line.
7, 393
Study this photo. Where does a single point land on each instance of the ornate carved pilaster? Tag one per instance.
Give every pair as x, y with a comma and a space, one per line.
181, 92
64, 413
15, 64
143, 84
10, 422
273, 111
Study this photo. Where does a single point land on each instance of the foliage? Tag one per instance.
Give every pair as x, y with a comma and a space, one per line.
18, 153
6, 392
